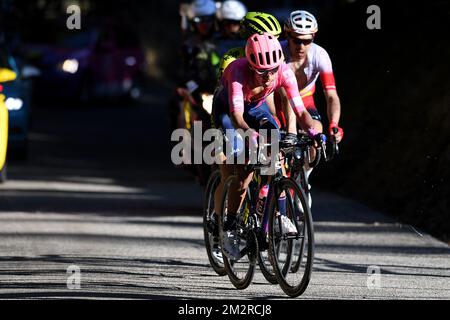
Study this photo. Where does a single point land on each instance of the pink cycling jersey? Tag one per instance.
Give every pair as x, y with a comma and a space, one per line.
236, 82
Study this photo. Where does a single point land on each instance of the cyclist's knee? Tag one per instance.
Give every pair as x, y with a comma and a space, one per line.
318, 126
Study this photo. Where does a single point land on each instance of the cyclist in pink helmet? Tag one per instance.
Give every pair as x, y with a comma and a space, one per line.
240, 103
263, 52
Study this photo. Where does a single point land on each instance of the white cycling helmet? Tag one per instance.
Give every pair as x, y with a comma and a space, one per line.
301, 22
232, 10
201, 8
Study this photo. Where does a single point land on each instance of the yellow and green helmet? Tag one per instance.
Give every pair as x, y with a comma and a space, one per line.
259, 22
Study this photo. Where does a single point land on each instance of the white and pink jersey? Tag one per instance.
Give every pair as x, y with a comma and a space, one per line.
235, 84
318, 64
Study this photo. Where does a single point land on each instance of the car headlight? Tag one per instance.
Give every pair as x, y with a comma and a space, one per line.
70, 66
207, 102
14, 104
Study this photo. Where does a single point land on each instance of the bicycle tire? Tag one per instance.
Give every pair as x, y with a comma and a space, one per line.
316, 160
240, 279
208, 208
287, 279
280, 251
300, 179
264, 263
266, 266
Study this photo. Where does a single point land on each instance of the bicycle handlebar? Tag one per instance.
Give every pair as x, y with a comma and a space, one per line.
303, 142
335, 146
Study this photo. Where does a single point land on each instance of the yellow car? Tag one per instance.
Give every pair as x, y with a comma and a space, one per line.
5, 76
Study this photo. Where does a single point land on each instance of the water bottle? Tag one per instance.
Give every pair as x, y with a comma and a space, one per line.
262, 200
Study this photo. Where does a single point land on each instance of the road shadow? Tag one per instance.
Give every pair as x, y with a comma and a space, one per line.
101, 277
78, 154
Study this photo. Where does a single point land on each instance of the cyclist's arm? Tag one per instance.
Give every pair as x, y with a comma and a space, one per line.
289, 83
236, 101
237, 118
334, 114
329, 85
307, 123
331, 95
291, 121
235, 80
333, 106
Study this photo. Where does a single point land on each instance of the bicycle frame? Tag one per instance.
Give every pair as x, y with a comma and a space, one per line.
299, 176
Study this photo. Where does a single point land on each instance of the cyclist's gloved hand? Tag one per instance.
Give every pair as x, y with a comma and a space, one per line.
290, 139
320, 138
336, 131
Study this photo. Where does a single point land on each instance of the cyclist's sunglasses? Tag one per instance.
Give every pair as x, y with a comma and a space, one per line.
264, 72
297, 41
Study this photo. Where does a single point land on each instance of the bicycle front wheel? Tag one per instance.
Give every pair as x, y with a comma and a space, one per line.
240, 270
292, 269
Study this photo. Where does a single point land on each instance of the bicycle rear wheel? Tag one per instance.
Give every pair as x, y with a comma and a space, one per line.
240, 271
292, 270
210, 222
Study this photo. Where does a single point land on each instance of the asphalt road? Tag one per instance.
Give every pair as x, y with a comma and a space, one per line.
99, 195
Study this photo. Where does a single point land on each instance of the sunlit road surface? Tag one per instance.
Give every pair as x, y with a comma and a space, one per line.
98, 192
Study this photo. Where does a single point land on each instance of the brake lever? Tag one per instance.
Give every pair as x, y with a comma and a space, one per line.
335, 144
324, 150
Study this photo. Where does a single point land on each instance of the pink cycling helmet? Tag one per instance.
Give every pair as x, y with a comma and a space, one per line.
263, 51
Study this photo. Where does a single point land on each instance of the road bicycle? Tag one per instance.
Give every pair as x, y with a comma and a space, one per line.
283, 259
294, 273
285, 198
